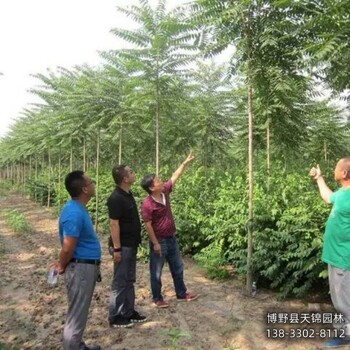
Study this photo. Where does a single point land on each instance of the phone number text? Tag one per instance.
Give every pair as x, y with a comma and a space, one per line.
297, 333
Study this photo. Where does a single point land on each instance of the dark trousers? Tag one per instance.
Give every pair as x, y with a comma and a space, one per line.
122, 300
171, 255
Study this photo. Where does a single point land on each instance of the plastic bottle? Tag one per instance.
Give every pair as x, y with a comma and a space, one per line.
254, 289
52, 277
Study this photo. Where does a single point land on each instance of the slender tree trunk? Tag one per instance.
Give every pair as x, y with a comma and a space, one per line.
18, 172
71, 156
13, 172
23, 176
36, 180
206, 151
97, 179
84, 154
17, 175
41, 188
157, 121
157, 136
250, 160
59, 179
30, 168
206, 147
49, 179
268, 147
120, 140
250, 191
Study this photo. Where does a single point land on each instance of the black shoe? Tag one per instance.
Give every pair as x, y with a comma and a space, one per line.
137, 318
92, 347
120, 322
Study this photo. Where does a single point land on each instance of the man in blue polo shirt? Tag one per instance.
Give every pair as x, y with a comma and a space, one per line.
79, 258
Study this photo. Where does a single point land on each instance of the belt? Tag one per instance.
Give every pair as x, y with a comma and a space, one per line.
86, 261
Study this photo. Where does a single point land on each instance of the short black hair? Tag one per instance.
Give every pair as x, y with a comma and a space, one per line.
118, 173
74, 183
147, 182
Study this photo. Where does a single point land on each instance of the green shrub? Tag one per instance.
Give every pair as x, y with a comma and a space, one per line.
5, 187
17, 221
192, 205
211, 213
214, 262
8, 347
39, 190
289, 218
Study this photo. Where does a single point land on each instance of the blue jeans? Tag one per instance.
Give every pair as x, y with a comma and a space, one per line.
171, 254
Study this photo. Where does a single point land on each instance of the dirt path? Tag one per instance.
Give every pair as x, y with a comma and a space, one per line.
32, 313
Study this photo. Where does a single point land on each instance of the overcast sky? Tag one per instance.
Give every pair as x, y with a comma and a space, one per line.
40, 34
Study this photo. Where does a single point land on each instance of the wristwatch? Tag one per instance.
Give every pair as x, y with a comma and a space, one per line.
117, 250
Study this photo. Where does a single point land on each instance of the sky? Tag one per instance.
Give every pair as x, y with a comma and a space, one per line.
36, 35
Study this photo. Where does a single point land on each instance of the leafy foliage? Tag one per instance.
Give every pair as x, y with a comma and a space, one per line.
289, 224
213, 260
17, 221
151, 103
326, 28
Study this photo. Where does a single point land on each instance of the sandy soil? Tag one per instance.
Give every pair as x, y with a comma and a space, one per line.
32, 313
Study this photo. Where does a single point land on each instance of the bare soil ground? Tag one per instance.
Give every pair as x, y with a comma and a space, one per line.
32, 313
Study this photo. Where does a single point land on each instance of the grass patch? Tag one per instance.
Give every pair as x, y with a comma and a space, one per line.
5, 188
233, 325
2, 251
176, 335
8, 347
17, 221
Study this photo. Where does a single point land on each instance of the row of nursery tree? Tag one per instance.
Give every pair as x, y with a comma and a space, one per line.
256, 125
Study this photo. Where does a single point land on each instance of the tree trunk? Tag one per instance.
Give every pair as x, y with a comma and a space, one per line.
36, 180
250, 191
13, 173
30, 168
268, 147
249, 282
97, 178
23, 176
84, 154
59, 179
18, 172
71, 156
49, 180
120, 140
157, 136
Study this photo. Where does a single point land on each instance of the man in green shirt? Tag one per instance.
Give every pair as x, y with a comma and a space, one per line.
336, 244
